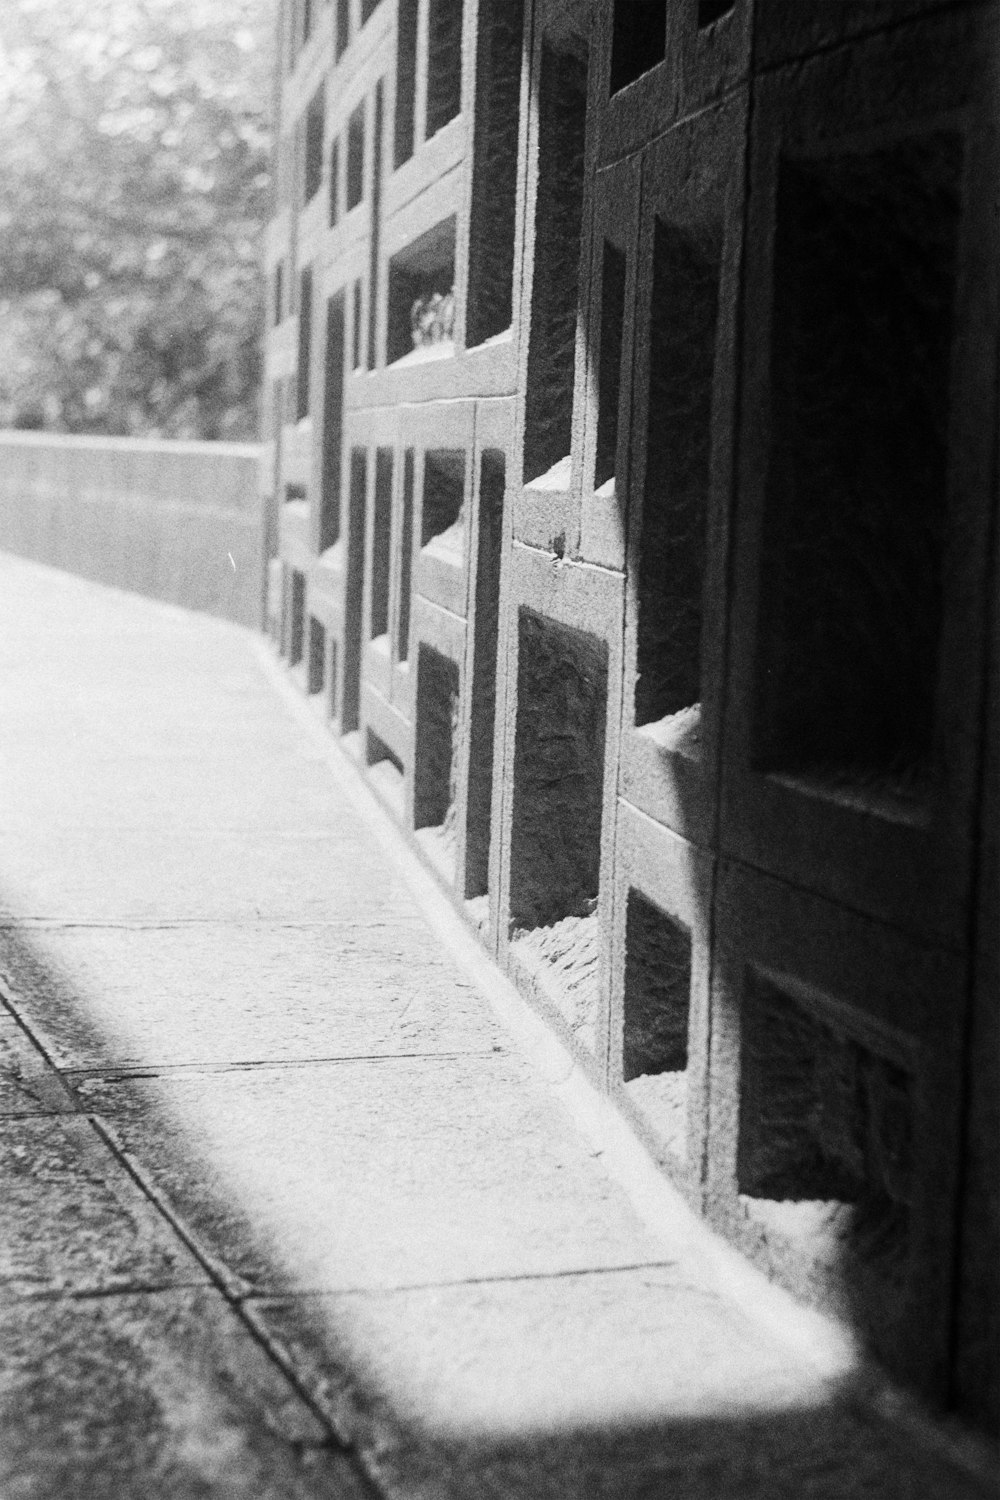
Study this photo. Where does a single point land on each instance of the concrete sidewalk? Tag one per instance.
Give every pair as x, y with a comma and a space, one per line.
287, 1211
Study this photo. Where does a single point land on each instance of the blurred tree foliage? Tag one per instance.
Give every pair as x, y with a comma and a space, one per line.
134, 158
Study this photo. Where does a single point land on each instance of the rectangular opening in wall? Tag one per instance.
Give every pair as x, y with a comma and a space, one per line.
368, 9
381, 543
639, 39
354, 591
710, 11
682, 335
655, 1019
279, 291
343, 27
555, 856
305, 344
825, 1129
492, 469
609, 361
406, 79
494, 173
865, 262
356, 157
317, 656
333, 423
375, 236
435, 766
294, 492
421, 313
315, 131
334, 181
405, 560
562, 120
444, 63
297, 618
357, 350
443, 517
332, 701
385, 770
307, 20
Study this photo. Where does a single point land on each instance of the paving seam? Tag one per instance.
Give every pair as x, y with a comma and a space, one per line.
219, 1275
228, 1286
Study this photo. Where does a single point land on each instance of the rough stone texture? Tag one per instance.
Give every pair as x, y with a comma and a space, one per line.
164, 1395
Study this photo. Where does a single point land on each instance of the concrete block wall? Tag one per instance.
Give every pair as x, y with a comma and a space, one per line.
179, 521
633, 373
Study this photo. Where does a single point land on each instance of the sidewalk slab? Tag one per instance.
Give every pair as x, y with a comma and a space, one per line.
310, 1171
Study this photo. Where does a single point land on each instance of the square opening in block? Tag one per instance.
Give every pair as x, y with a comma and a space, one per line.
562, 130
682, 347
315, 130
865, 265
492, 472
710, 11
297, 618
490, 297
823, 1120
444, 63
356, 157
657, 991
639, 39
435, 765
443, 515
562, 693
317, 656
406, 79
381, 543
421, 314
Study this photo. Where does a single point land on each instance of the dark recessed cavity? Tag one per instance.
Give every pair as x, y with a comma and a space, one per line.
406, 79
317, 656
305, 345
562, 691
444, 63
850, 618
610, 361
444, 493
435, 765
710, 11
315, 131
333, 423
639, 39
354, 591
377, 752
405, 560
343, 27
421, 313
381, 543
358, 353
279, 291
494, 175
657, 992
294, 492
558, 217
492, 471
682, 336
356, 157
297, 618
823, 1118
375, 236
334, 181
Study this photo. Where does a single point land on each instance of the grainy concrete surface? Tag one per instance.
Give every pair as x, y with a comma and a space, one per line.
286, 1212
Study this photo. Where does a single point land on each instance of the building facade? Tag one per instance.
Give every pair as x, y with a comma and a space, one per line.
632, 413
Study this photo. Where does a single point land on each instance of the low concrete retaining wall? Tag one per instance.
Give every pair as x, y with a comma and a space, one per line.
179, 521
